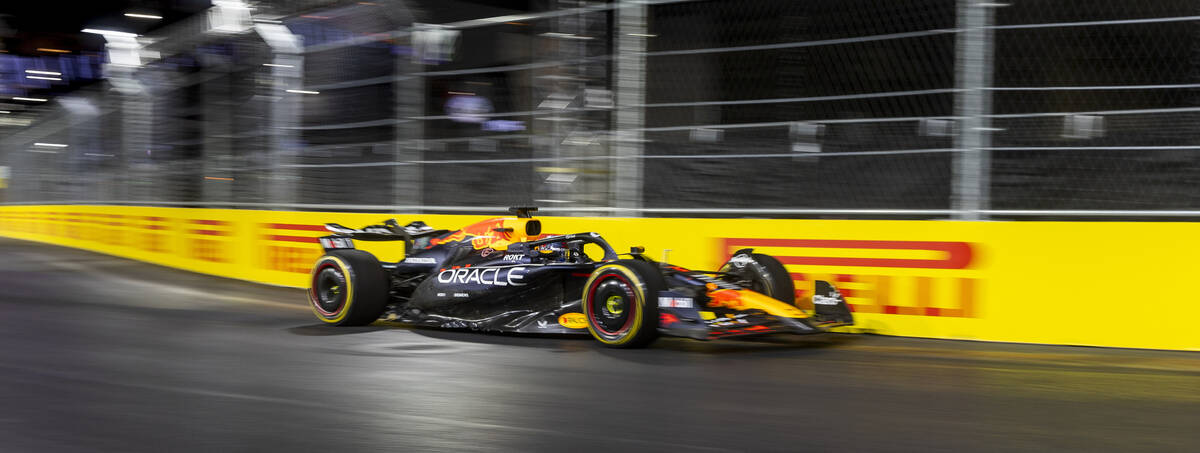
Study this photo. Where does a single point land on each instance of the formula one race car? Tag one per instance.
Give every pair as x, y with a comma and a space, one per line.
504, 275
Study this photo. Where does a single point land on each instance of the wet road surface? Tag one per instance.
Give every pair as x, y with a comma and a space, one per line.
107, 354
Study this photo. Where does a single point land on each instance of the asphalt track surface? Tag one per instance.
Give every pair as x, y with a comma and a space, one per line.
106, 354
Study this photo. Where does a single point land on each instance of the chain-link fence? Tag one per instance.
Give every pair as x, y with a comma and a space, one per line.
926, 109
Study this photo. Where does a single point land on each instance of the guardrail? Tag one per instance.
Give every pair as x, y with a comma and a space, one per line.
1144, 214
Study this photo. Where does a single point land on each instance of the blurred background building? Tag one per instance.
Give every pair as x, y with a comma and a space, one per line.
832, 108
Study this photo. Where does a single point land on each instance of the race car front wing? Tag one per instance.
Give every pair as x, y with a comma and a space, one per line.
743, 316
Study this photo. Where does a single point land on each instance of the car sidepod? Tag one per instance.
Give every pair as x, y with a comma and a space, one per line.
524, 298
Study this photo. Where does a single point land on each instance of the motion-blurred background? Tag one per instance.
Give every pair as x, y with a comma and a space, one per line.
836, 108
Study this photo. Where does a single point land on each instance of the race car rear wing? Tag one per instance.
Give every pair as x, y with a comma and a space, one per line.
390, 230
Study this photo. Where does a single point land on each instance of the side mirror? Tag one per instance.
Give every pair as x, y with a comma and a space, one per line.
637, 250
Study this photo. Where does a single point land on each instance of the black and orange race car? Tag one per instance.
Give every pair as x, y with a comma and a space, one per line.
504, 275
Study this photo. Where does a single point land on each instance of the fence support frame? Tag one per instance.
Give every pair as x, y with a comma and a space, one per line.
630, 74
970, 197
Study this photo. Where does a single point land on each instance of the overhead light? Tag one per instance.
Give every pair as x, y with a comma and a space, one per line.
33, 71
233, 4
643, 35
303, 92
42, 77
47, 49
18, 98
562, 178
501, 19
109, 32
4, 111
143, 16
51, 145
273, 65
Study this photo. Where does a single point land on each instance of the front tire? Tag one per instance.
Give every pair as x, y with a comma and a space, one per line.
348, 288
765, 275
620, 303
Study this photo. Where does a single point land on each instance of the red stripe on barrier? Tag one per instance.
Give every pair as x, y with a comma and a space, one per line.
294, 226
958, 254
867, 262
211, 232
208, 222
277, 237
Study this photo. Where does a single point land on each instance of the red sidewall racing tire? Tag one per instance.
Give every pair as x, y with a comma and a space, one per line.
348, 288
620, 303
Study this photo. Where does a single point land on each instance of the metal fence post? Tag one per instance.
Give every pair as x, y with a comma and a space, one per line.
409, 91
972, 105
408, 179
288, 74
216, 152
136, 125
626, 190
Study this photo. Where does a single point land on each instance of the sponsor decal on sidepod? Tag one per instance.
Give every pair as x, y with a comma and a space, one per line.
573, 320
510, 276
678, 302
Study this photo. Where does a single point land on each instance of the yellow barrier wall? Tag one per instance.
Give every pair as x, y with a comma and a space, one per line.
1115, 284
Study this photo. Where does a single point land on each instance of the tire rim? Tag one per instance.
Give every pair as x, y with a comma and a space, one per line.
329, 289
612, 305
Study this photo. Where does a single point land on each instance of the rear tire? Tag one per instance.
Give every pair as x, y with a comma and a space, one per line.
765, 274
620, 303
348, 288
